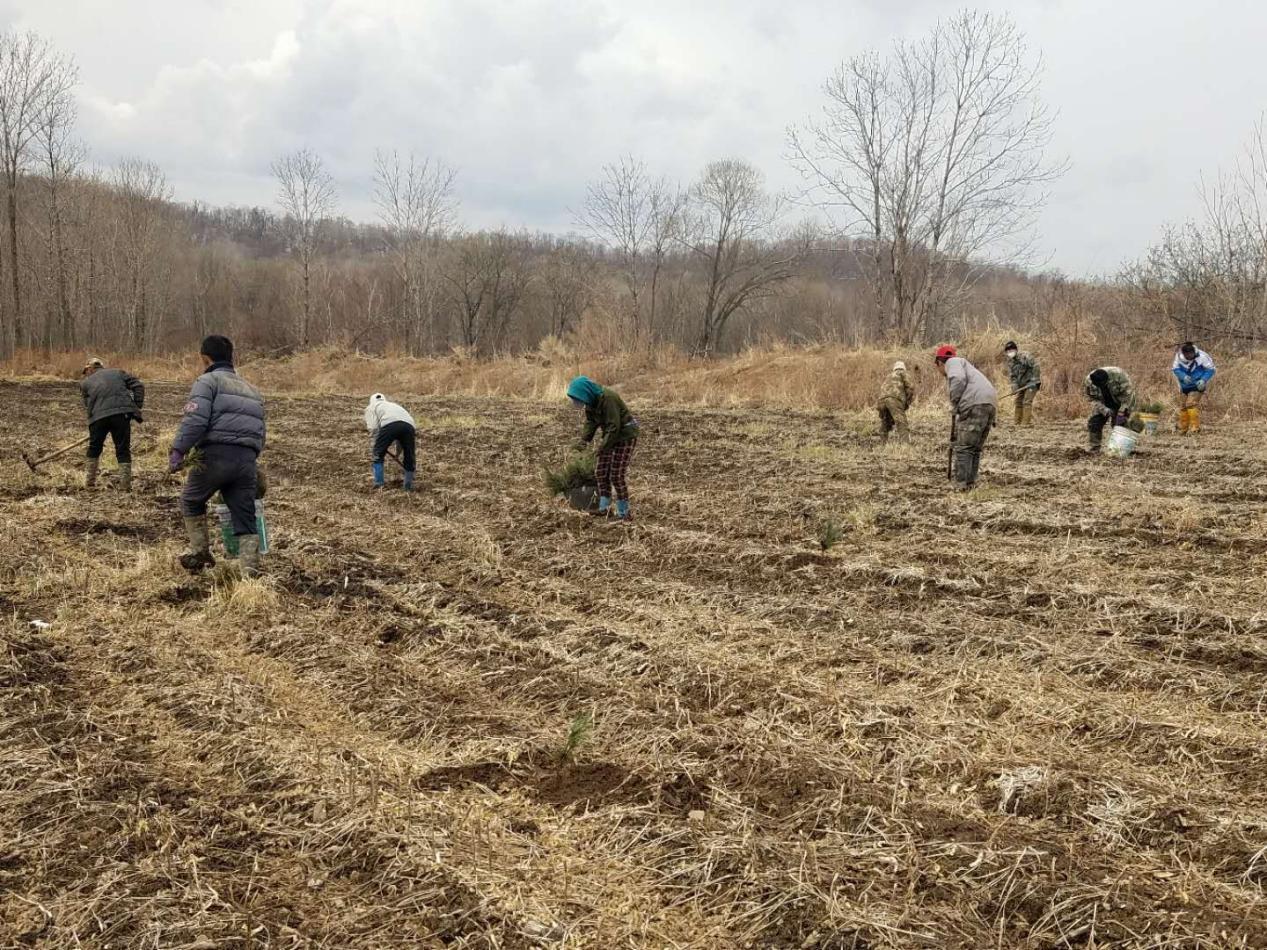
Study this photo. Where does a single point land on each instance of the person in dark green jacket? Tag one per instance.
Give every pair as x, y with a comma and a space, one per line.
604, 409
113, 400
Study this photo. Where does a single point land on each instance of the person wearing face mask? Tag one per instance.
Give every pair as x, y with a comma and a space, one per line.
1023, 373
606, 411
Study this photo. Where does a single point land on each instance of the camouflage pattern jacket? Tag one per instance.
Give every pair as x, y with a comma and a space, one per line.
1121, 392
898, 388
1023, 372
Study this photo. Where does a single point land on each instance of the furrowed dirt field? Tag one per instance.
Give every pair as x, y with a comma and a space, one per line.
1030, 717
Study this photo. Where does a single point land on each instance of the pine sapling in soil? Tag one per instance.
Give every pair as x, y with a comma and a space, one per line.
829, 533
578, 734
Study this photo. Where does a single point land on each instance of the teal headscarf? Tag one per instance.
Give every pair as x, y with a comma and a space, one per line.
583, 389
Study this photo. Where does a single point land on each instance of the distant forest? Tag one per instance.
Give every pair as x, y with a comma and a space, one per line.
931, 201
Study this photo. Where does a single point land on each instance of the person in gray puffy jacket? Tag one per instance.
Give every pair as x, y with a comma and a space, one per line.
224, 420
113, 399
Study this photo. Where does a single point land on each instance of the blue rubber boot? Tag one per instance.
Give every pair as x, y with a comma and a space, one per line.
604, 505
622, 510
378, 475
409, 481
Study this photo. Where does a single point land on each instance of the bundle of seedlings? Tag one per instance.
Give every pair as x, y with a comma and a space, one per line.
575, 481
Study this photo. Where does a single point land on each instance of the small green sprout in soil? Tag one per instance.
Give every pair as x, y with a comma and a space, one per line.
579, 731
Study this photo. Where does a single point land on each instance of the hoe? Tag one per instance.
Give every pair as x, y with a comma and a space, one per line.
32, 464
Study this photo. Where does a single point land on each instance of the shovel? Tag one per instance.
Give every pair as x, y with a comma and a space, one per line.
52, 455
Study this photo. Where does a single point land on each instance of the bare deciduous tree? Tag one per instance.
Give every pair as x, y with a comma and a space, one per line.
936, 155
1208, 277
60, 157
417, 207
489, 277
140, 240
32, 76
567, 281
307, 196
638, 218
732, 229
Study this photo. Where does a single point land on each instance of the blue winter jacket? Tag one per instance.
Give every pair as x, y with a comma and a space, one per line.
1194, 374
223, 409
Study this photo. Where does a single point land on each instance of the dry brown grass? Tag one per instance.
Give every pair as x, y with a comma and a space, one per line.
822, 377
1030, 717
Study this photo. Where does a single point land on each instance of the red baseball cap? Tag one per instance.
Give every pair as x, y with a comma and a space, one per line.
945, 352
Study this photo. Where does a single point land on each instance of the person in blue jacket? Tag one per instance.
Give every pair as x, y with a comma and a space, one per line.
1194, 370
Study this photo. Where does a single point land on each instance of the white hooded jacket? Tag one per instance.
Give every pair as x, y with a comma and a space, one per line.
381, 412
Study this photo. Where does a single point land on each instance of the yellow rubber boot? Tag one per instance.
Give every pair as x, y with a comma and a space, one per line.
1183, 420
1194, 420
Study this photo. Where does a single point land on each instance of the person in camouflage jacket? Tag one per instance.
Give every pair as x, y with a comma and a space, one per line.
896, 395
1113, 399
1024, 375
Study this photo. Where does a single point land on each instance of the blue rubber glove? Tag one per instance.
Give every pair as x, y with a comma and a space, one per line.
175, 460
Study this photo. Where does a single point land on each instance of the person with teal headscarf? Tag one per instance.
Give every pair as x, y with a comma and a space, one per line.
605, 410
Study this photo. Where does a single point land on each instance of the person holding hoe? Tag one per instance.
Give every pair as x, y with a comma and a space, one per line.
224, 421
113, 400
1022, 371
605, 410
391, 425
1194, 370
973, 406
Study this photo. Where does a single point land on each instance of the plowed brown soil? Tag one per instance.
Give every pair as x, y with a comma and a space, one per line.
1030, 717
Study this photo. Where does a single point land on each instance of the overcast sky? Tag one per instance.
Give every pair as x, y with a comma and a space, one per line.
529, 98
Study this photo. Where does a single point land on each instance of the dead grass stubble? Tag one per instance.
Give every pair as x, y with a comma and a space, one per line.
1029, 718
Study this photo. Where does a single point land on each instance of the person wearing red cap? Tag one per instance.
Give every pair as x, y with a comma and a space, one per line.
973, 404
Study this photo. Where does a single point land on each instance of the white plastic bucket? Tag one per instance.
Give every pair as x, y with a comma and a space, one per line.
1122, 442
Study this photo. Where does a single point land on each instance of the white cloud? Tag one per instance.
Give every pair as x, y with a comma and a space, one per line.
529, 97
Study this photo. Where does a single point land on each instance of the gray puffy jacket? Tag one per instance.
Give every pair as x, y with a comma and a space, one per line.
223, 409
111, 392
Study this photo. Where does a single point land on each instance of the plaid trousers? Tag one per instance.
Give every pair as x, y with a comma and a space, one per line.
612, 469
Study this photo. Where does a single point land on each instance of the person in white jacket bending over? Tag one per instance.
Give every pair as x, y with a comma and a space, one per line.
390, 424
